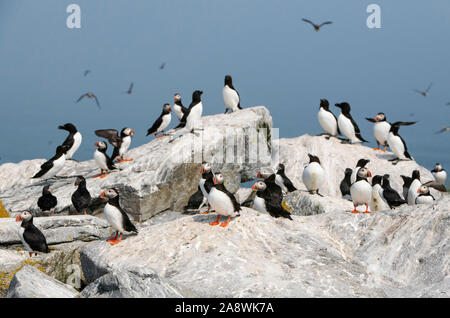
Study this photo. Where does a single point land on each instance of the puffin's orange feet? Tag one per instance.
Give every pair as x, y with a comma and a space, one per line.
383, 150
99, 175
126, 160
103, 176
225, 224
117, 241
204, 212
112, 239
355, 211
217, 221
376, 148
367, 211
160, 136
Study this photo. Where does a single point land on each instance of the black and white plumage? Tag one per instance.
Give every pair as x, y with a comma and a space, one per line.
264, 202
205, 184
378, 203
222, 201
396, 142
89, 95
121, 143
192, 117
32, 238
360, 164
162, 122
103, 161
347, 125
54, 165
116, 216
414, 186
272, 188
390, 195
313, 175
178, 107
73, 140
47, 202
345, 184
406, 184
283, 181
380, 130
327, 119
361, 190
424, 196
231, 96
81, 198
439, 174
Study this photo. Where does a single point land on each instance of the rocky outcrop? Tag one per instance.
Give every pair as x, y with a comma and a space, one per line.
30, 282
163, 174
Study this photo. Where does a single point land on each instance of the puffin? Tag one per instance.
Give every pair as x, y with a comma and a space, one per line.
390, 195
406, 184
360, 164
192, 117
51, 168
347, 125
178, 107
313, 175
73, 140
439, 174
47, 202
230, 96
264, 202
327, 119
380, 130
378, 203
396, 142
162, 122
121, 143
361, 190
32, 238
81, 198
104, 162
415, 185
222, 201
345, 184
272, 188
283, 181
424, 195
116, 216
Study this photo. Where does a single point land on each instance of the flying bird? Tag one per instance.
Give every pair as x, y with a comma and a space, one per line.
317, 26
424, 93
130, 90
443, 130
162, 66
86, 72
90, 95
448, 104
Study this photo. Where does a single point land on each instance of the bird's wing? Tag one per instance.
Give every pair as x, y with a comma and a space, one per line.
308, 21
126, 221
36, 240
436, 186
288, 183
417, 91
441, 131
96, 100
429, 86
277, 209
155, 126
131, 87
86, 72
327, 22
357, 131
81, 97
111, 134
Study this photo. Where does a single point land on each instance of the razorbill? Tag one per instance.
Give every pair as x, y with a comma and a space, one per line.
283, 181
103, 161
81, 198
51, 168
327, 120
380, 130
116, 216
406, 184
121, 143
47, 202
264, 203
415, 185
378, 203
347, 125
32, 238
178, 107
345, 184
73, 140
313, 175
439, 174
424, 196
360, 164
361, 190
396, 142
162, 122
230, 96
390, 195
222, 201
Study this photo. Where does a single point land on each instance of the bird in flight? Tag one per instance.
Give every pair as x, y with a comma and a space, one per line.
424, 93
162, 66
86, 72
317, 26
90, 95
130, 90
443, 130
448, 104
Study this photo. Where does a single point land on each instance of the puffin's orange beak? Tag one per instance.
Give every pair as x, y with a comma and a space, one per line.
259, 174
419, 191
102, 195
254, 187
96, 144
370, 174
215, 180
376, 118
19, 218
132, 132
